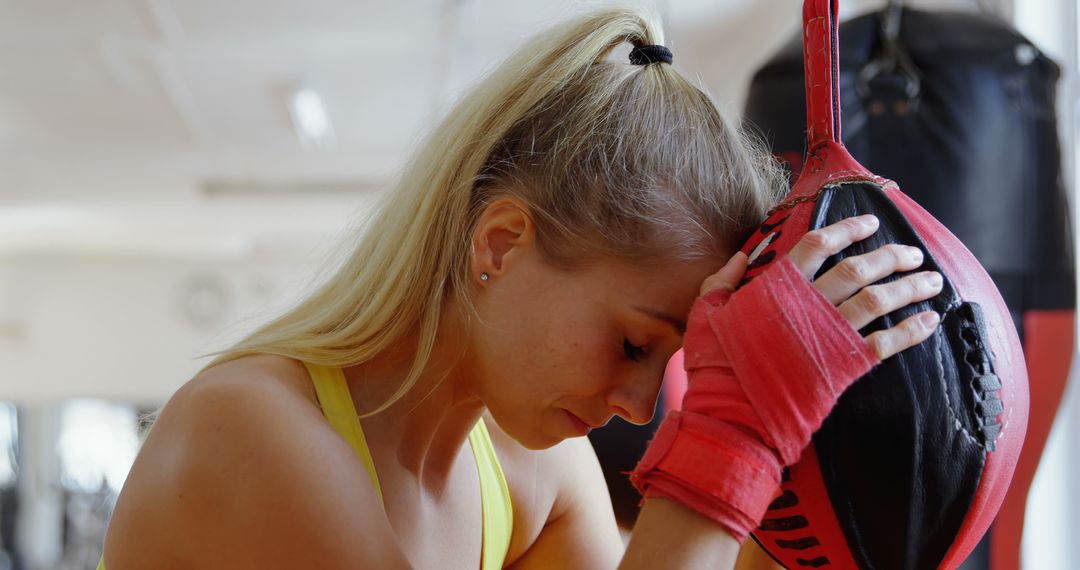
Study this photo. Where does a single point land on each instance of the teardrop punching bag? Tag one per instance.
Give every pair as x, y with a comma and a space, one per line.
912, 464
959, 109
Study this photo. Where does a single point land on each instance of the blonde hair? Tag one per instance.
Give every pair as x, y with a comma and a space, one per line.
612, 160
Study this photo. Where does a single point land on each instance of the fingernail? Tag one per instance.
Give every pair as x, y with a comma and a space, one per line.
933, 278
869, 220
916, 254
929, 320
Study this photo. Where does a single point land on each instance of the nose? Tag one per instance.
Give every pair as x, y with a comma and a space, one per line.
634, 399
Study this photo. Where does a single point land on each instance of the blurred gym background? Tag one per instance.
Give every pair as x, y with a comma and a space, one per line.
173, 172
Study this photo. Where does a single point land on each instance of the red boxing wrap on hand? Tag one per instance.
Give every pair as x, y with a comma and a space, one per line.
765, 366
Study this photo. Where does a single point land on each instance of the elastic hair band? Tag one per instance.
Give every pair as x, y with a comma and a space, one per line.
644, 55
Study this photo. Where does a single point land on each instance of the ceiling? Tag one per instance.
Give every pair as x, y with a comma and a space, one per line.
128, 104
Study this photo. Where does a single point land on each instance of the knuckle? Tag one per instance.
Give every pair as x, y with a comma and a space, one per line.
817, 239
850, 314
879, 343
913, 286
875, 299
855, 269
915, 330
899, 252
713, 283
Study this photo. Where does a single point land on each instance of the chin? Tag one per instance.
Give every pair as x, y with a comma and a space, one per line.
539, 445
543, 443
529, 435
535, 439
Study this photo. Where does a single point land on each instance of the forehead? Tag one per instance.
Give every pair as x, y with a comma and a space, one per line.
671, 287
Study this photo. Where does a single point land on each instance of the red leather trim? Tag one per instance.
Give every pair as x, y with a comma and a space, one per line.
830, 163
808, 489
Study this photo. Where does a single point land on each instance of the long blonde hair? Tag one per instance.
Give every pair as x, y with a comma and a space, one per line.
612, 159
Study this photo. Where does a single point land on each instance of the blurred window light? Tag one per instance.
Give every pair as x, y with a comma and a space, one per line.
98, 443
310, 120
42, 217
9, 446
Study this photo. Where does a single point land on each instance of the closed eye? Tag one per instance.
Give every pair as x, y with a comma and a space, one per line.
634, 353
678, 324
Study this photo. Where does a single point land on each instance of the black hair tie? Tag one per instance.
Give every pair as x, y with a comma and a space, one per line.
644, 55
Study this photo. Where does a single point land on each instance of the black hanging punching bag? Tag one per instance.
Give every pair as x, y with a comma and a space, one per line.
958, 108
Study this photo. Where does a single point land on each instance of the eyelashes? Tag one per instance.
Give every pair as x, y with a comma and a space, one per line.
634, 353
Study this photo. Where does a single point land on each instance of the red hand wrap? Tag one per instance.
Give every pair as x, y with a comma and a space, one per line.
765, 367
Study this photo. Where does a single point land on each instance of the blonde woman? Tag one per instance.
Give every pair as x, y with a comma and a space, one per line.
528, 279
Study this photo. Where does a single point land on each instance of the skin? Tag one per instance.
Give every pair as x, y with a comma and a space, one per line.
243, 471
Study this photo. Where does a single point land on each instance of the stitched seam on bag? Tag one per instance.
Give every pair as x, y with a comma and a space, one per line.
953, 415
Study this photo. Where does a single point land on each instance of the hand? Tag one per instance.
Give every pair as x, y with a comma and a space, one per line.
765, 366
849, 285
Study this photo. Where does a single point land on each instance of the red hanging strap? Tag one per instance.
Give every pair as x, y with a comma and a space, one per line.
821, 57
827, 160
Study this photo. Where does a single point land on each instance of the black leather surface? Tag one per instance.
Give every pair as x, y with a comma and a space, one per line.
902, 453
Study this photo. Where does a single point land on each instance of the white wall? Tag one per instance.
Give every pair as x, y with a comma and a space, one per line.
1051, 529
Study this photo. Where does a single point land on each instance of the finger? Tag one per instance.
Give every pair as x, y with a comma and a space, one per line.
878, 300
817, 246
908, 333
728, 277
853, 273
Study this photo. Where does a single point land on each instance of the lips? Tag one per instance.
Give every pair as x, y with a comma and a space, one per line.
579, 425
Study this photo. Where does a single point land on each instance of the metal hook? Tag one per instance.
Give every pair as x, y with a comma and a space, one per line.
893, 58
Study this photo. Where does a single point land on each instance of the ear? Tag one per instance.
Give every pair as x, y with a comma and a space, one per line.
503, 233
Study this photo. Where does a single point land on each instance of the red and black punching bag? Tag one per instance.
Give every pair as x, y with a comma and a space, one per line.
911, 466
959, 109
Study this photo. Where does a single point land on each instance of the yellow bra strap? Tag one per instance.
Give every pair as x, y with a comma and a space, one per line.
495, 499
339, 410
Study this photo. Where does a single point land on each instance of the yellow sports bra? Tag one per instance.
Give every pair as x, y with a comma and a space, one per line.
498, 513
495, 504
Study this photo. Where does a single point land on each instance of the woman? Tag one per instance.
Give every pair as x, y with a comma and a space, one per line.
528, 279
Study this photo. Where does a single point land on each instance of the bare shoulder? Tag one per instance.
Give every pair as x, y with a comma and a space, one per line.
241, 470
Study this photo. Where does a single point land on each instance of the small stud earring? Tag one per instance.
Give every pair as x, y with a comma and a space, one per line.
484, 276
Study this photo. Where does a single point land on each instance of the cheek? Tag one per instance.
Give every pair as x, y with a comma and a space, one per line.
516, 355
585, 357
545, 357
547, 338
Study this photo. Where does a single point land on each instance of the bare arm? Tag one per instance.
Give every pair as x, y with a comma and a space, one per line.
669, 535
581, 530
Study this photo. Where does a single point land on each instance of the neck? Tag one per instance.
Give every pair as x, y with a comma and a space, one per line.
427, 429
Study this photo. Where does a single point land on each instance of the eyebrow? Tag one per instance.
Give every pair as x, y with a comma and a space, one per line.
677, 323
